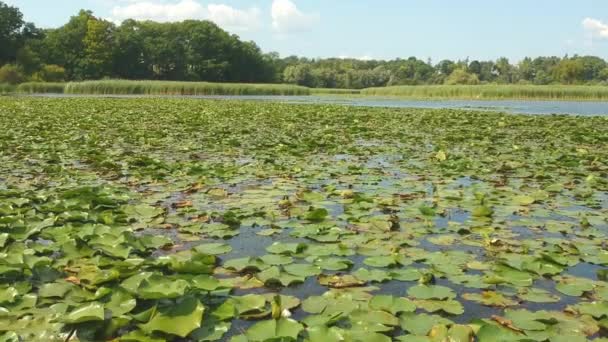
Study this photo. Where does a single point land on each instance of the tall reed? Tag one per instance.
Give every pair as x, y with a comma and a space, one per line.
124, 87
498, 92
41, 87
6, 88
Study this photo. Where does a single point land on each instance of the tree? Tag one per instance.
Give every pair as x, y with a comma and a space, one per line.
28, 59
130, 58
11, 21
300, 74
65, 45
50, 73
475, 67
603, 75
446, 67
505, 70
526, 69
592, 67
569, 71
461, 76
98, 47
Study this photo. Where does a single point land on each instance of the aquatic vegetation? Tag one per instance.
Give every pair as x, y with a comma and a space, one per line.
41, 87
189, 220
6, 88
125, 87
494, 92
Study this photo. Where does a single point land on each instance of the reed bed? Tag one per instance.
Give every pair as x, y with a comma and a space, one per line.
123, 87
6, 88
41, 88
489, 92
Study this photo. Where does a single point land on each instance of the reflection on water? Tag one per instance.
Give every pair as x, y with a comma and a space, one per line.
511, 106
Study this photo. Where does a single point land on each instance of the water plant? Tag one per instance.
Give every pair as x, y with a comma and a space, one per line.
197, 220
494, 92
125, 87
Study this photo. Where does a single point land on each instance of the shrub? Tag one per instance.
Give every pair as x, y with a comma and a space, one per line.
11, 74
50, 73
461, 76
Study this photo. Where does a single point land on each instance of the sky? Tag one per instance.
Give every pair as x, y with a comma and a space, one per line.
373, 29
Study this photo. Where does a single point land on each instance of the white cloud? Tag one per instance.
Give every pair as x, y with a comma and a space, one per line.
241, 20
287, 18
225, 16
596, 28
163, 12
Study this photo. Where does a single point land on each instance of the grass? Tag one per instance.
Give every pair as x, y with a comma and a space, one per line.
494, 92
334, 91
41, 88
124, 87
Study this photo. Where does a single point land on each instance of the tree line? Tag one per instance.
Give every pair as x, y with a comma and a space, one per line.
88, 47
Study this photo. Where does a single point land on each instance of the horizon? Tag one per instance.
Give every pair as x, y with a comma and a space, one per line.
309, 29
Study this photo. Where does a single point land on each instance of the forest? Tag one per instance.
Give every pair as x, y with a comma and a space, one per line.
91, 48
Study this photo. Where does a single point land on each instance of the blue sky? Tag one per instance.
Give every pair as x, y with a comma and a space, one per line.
381, 29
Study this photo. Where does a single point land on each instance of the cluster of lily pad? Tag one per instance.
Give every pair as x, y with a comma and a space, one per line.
189, 220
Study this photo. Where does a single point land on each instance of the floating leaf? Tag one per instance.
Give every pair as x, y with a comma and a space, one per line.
431, 292
86, 313
392, 304
490, 298
271, 329
160, 287
180, 319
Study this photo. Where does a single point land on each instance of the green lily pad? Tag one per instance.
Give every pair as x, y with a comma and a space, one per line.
160, 287
490, 298
391, 304
378, 276
266, 330
87, 313
213, 248
180, 319
420, 324
431, 292
574, 287
450, 306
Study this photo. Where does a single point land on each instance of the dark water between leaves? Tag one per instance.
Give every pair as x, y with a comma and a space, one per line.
584, 108
251, 244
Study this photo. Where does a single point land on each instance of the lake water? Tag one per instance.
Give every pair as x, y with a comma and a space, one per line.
585, 108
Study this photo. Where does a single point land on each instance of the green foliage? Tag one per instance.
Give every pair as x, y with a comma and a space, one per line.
50, 73
553, 92
299, 75
461, 76
6, 88
162, 219
41, 87
180, 88
11, 74
98, 41
11, 21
